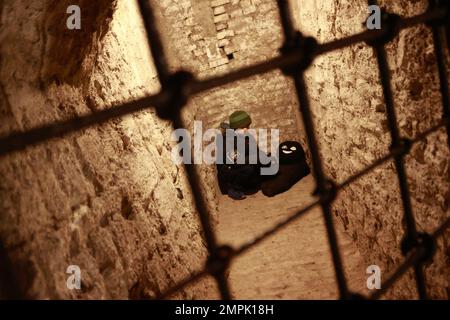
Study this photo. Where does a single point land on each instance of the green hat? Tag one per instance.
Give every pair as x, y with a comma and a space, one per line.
240, 119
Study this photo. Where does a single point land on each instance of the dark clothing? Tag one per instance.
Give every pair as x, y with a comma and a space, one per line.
236, 170
288, 175
293, 168
241, 178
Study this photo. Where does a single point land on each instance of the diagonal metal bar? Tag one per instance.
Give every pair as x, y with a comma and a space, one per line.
412, 259
292, 58
280, 226
20, 140
321, 180
161, 64
390, 25
154, 39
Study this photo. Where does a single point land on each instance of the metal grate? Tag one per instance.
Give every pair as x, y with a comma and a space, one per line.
296, 55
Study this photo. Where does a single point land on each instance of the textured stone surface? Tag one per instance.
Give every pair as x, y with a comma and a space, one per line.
294, 263
352, 132
250, 37
107, 198
257, 39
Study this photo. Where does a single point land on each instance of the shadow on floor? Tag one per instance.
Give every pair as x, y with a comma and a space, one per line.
295, 263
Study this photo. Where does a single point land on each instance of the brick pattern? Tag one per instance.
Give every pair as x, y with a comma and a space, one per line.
202, 35
239, 33
221, 11
229, 18
270, 109
210, 51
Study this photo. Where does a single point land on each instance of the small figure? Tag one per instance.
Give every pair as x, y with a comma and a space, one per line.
237, 176
293, 168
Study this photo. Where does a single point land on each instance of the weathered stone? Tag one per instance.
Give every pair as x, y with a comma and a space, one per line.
249, 9
221, 18
218, 62
221, 26
196, 37
216, 3
236, 13
219, 10
109, 198
223, 43
225, 33
106, 198
199, 52
231, 49
353, 134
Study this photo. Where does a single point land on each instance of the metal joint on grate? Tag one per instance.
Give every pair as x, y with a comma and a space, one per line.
296, 55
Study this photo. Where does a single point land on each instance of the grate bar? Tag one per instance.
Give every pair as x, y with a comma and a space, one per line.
155, 42
293, 41
297, 54
162, 67
412, 259
411, 239
20, 140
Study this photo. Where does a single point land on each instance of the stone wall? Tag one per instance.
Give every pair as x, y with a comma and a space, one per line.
210, 38
107, 198
224, 35
352, 131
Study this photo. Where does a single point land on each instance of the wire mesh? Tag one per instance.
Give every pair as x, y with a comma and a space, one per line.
296, 55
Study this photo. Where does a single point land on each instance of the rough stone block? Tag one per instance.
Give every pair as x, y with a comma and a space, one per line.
225, 33
186, 4
221, 18
199, 52
219, 10
191, 47
245, 3
189, 21
249, 9
196, 37
218, 62
216, 3
223, 43
236, 13
230, 49
266, 7
236, 24
221, 26
212, 51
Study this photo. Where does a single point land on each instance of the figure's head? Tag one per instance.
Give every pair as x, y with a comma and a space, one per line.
291, 152
240, 120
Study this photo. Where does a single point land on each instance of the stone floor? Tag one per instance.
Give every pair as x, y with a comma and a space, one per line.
292, 264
